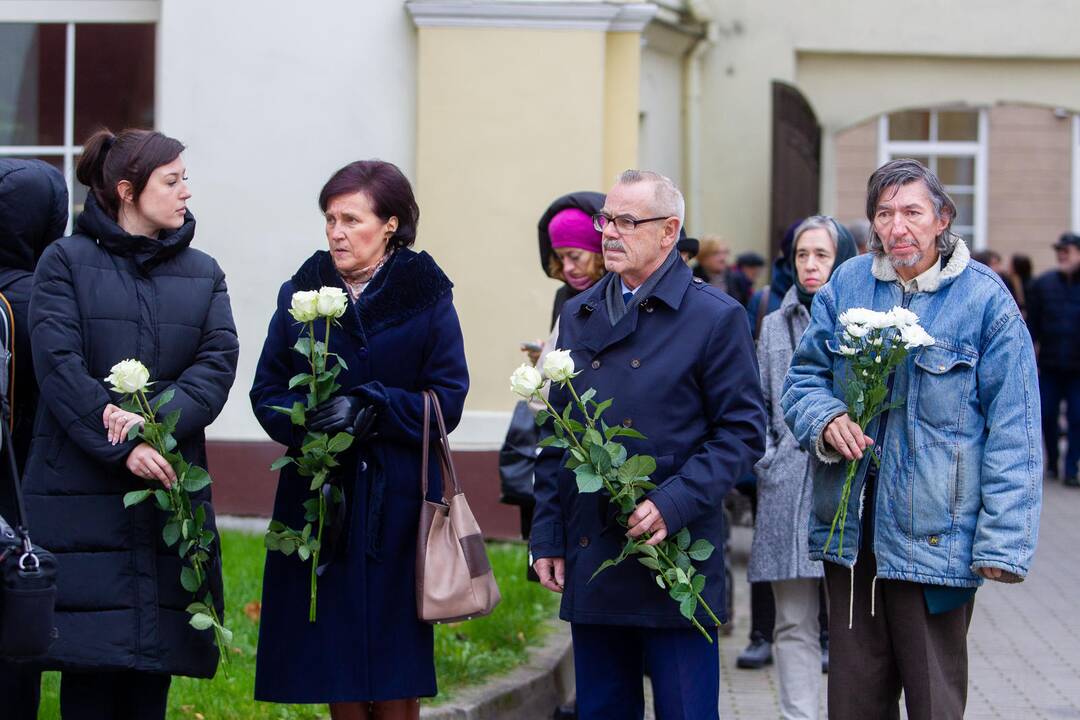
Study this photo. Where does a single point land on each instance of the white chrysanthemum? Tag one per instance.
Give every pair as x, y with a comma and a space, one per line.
128, 377
845, 350
857, 331
902, 317
526, 380
559, 366
857, 316
914, 336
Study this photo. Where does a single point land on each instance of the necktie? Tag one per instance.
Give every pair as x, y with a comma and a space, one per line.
627, 297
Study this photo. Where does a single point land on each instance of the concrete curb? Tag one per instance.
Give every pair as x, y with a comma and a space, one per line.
529, 692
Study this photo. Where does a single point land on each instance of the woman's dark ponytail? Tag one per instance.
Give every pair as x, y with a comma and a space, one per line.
131, 155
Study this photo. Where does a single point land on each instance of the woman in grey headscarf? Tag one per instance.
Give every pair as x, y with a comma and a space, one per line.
780, 552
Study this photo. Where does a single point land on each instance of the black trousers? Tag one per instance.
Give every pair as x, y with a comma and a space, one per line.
901, 647
20, 691
127, 695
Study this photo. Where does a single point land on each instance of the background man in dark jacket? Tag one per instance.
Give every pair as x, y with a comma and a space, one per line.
33, 213
1053, 306
676, 356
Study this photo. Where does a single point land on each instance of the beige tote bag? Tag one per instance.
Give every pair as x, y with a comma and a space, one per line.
454, 580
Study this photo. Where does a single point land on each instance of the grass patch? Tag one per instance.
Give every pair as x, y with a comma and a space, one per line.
465, 653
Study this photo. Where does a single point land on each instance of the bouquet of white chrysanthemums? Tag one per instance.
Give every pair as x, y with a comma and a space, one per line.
875, 343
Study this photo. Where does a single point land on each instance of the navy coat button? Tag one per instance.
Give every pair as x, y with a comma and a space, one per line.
583, 542
595, 364
649, 308
363, 466
635, 363
627, 422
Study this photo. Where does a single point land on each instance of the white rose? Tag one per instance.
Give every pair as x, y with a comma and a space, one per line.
305, 305
845, 350
559, 366
128, 377
526, 380
332, 302
857, 331
876, 341
902, 317
914, 336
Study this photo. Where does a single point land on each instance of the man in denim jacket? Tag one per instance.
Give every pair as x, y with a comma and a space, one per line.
957, 495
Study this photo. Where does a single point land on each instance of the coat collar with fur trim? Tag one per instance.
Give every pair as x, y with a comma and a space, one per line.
954, 265
408, 284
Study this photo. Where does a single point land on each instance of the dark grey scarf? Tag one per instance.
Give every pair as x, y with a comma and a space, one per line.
617, 308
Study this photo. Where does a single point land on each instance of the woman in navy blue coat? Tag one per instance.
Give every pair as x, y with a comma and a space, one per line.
367, 654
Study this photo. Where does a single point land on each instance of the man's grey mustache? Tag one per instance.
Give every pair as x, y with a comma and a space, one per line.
613, 245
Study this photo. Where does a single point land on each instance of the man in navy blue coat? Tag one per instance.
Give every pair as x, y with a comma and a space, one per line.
677, 357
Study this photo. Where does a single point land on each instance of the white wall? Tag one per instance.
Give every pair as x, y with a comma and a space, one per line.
271, 98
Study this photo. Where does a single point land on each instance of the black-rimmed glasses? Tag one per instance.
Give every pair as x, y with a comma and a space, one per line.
623, 223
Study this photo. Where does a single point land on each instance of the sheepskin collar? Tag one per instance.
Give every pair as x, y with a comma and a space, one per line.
407, 285
954, 265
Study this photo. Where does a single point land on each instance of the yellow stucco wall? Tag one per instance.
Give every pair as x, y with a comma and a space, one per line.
508, 120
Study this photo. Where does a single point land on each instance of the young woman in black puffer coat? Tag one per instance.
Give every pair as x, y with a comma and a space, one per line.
127, 284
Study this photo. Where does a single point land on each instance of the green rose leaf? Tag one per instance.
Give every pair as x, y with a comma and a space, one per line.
201, 621
301, 379
281, 462
135, 497
587, 480
687, 607
604, 566
698, 583
163, 399
682, 539
649, 563
171, 533
196, 479
189, 579
700, 550
340, 442
542, 417
303, 552
163, 500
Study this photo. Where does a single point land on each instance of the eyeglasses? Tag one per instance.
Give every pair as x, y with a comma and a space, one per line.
623, 223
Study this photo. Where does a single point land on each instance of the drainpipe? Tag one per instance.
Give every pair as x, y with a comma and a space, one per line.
691, 117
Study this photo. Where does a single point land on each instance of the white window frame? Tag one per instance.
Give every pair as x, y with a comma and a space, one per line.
976, 149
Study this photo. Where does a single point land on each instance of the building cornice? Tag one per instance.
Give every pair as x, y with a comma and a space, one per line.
528, 14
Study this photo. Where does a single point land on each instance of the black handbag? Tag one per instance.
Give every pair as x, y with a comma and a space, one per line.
517, 458
27, 578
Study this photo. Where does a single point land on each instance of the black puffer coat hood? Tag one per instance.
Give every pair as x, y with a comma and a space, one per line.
33, 211
587, 201
146, 252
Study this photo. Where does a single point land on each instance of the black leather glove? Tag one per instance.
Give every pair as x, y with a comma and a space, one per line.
344, 414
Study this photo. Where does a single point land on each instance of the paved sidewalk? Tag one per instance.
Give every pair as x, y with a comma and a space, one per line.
1024, 643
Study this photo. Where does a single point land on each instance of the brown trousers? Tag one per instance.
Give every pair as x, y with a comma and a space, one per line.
901, 647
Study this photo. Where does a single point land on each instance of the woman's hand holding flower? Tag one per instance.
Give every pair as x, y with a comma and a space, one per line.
119, 423
146, 462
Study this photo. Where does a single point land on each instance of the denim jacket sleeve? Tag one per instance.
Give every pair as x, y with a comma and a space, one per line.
808, 399
1011, 488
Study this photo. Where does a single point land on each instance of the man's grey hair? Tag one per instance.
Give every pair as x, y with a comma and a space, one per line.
669, 199
823, 222
896, 173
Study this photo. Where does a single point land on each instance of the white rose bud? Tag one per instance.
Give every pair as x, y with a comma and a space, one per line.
332, 302
305, 305
128, 377
526, 380
559, 366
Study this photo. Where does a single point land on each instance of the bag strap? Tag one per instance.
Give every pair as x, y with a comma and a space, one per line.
443, 448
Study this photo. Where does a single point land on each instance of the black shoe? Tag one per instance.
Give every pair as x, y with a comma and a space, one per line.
1072, 482
757, 654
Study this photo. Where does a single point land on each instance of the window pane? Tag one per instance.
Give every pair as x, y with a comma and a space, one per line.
956, 170
31, 84
965, 208
958, 125
909, 125
114, 78
924, 159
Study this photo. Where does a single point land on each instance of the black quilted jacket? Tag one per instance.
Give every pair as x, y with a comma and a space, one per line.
101, 296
